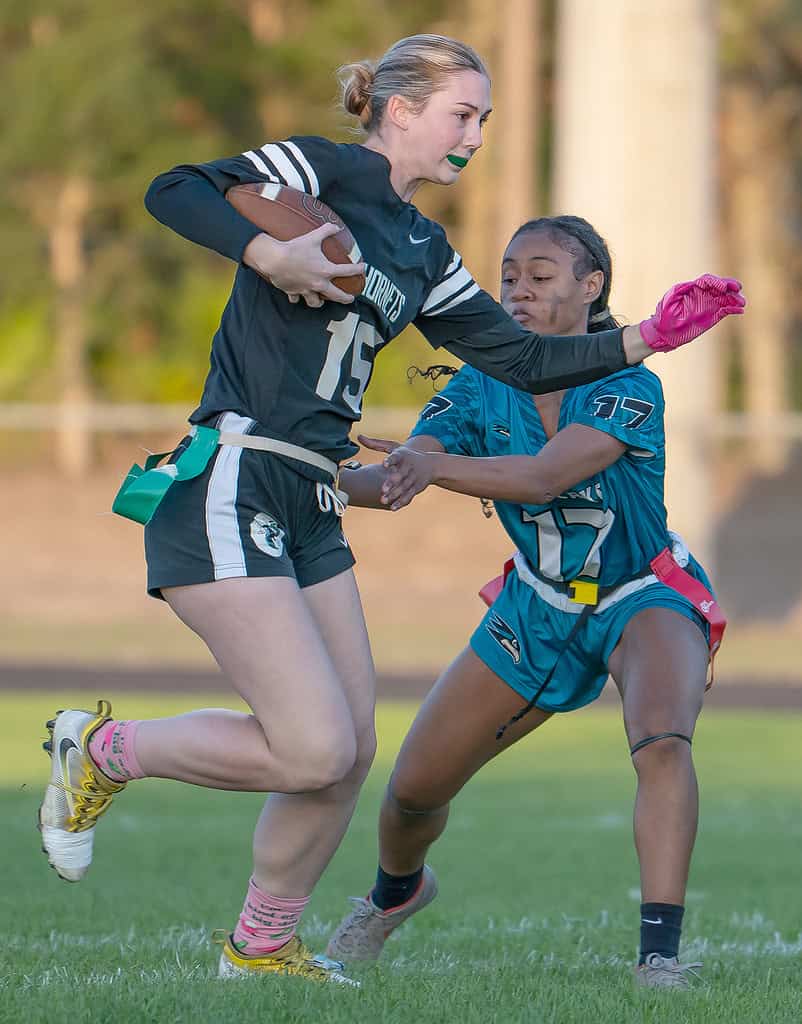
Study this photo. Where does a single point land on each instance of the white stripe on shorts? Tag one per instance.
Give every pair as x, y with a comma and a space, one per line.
222, 526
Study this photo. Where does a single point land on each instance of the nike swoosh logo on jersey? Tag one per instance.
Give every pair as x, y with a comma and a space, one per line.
419, 241
647, 920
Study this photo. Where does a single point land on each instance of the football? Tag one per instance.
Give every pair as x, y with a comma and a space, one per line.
285, 213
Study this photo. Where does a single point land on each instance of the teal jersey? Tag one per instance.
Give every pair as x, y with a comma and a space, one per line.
606, 528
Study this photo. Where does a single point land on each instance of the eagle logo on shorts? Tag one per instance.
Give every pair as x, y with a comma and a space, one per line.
267, 535
504, 636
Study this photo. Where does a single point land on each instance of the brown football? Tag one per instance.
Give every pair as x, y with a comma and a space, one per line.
285, 213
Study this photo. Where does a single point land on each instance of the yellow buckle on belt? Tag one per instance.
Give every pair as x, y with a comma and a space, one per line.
583, 592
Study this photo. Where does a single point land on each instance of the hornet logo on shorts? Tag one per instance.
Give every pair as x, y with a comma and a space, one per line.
267, 535
504, 636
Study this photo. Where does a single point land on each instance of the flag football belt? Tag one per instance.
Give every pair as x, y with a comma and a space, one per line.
585, 597
567, 596
572, 596
144, 487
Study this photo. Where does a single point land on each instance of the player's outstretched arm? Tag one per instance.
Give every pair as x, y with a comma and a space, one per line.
573, 454
539, 363
366, 486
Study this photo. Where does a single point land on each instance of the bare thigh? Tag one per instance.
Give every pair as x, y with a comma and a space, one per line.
336, 608
660, 669
267, 641
454, 733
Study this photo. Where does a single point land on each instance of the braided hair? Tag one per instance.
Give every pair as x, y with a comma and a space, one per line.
576, 236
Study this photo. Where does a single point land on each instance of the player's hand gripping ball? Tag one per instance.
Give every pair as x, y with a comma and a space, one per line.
285, 213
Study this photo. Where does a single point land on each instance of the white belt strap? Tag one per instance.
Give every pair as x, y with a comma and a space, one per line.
563, 602
270, 444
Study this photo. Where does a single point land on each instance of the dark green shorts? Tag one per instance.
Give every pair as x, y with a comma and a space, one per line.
248, 514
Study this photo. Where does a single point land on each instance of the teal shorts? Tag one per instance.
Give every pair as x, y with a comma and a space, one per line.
521, 636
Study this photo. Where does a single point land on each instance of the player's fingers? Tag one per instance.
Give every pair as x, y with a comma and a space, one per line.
714, 283
334, 294
323, 232
313, 299
293, 296
394, 475
398, 458
397, 487
408, 484
377, 444
345, 269
727, 311
726, 299
404, 499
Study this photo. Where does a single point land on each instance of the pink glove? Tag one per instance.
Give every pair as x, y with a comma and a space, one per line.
688, 310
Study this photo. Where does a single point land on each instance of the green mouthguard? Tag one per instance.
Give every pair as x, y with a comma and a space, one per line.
457, 161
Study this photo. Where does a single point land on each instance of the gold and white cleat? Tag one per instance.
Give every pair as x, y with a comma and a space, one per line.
78, 792
292, 958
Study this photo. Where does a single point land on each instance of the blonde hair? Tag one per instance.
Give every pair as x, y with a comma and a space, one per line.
414, 68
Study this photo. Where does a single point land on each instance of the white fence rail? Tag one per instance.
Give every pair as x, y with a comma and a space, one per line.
103, 417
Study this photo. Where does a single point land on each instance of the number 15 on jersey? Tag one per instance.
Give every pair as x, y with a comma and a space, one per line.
360, 339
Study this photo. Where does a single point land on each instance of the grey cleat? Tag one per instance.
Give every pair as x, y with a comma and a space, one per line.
665, 972
362, 934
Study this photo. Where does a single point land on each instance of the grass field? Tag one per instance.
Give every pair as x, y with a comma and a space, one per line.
541, 842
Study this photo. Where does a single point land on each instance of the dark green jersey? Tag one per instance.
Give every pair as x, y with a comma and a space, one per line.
301, 372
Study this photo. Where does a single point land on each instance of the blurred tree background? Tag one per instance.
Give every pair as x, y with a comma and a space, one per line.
99, 302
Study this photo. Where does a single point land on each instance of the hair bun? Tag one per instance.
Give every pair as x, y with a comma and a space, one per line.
357, 81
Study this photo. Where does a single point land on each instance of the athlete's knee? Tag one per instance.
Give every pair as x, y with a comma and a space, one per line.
410, 796
660, 749
365, 754
322, 760
352, 781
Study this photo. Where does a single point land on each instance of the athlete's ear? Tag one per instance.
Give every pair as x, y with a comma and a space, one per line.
593, 284
398, 111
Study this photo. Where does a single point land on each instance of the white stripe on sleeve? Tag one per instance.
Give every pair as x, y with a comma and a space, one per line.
308, 168
447, 289
285, 167
474, 288
260, 165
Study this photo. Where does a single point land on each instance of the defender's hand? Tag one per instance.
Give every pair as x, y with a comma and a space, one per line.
408, 472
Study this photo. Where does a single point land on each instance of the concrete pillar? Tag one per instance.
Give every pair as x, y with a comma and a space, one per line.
516, 119
635, 130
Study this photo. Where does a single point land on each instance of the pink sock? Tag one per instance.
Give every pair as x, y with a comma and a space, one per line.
266, 922
113, 749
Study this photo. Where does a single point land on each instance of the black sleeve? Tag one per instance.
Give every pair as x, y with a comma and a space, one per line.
540, 363
462, 318
190, 198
